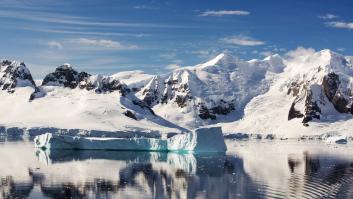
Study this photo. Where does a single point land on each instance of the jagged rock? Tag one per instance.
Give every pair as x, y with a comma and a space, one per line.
182, 100
293, 113
66, 76
330, 85
293, 89
312, 110
130, 115
223, 108
14, 74
205, 113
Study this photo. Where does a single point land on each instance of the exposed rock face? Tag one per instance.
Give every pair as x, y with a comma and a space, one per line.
14, 74
312, 110
66, 76
184, 88
330, 85
130, 115
322, 87
293, 113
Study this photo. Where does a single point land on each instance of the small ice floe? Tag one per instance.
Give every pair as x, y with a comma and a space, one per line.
339, 139
199, 140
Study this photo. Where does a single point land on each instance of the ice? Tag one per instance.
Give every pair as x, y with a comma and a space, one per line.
51, 141
342, 139
200, 140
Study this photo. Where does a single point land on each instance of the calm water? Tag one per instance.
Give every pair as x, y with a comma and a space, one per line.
280, 169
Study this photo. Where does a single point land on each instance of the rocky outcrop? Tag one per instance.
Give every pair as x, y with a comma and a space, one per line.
183, 88
322, 90
330, 86
14, 74
130, 115
66, 76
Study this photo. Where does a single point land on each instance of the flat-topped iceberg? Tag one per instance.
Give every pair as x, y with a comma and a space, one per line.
199, 140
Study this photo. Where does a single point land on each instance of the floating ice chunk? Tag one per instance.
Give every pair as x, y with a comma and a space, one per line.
200, 140
342, 139
51, 141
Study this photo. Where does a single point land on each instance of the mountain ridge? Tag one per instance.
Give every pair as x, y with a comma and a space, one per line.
302, 91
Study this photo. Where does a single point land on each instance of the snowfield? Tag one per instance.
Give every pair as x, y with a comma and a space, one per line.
301, 94
269, 113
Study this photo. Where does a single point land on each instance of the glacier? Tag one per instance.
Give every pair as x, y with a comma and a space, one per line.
200, 140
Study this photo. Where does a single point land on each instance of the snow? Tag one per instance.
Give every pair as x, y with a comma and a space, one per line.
342, 139
133, 79
200, 140
64, 108
267, 113
255, 92
50, 141
222, 81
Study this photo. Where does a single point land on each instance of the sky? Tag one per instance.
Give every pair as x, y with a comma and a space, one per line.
109, 36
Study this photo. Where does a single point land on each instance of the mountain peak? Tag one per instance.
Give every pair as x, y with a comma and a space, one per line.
220, 59
65, 66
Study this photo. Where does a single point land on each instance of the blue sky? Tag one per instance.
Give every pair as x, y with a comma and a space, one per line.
106, 36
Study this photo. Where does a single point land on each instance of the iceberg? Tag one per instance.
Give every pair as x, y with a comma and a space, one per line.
199, 140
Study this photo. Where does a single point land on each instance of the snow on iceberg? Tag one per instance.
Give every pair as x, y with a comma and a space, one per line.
200, 140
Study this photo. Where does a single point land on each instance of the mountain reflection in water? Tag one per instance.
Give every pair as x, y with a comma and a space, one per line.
250, 170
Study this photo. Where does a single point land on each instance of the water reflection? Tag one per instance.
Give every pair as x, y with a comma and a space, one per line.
251, 170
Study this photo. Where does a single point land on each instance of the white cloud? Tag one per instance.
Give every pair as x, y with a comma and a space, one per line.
173, 66
55, 44
242, 41
47, 17
336, 24
328, 16
300, 53
103, 43
219, 13
341, 49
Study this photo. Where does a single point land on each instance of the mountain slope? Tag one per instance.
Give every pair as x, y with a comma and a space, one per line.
312, 96
72, 100
14, 74
212, 92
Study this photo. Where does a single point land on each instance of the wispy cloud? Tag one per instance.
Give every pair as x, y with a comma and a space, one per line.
101, 43
56, 18
74, 32
219, 13
145, 7
55, 44
173, 66
300, 53
242, 41
337, 24
328, 16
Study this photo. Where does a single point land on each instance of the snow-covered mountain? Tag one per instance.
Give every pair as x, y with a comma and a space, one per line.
312, 96
68, 99
301, 94
14, 74
215, 91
